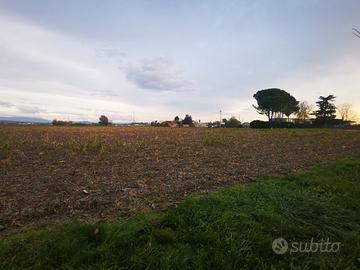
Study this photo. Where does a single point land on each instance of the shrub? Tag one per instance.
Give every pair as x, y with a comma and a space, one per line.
277, 124
283, 125
259, 124
233, 123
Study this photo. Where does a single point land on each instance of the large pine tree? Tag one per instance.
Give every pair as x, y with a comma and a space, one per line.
326, 109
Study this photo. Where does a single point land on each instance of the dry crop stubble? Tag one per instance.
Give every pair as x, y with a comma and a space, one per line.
45, 170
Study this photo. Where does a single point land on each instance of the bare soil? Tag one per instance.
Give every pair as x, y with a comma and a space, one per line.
53, 175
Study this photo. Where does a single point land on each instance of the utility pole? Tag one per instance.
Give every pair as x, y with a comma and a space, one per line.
133, 117
220, 119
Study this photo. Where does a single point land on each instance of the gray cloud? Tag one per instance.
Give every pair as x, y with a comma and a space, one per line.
158, 74
6, 104
22, 108
29, 109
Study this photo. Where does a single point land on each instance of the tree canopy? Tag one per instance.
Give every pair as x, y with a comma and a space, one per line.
326, 109
188, 120
275, 103
232, 123
103, 120
304, 112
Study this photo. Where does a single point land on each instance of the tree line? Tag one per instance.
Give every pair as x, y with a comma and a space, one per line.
276, 103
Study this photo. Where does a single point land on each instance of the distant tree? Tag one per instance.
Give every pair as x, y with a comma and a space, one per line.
154, 123
304, 112
103, 120
275, 103
326, 110
346, 113
188, 120
176, 118
233, 123
61, 123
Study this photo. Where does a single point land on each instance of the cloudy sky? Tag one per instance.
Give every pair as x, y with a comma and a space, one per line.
77, 59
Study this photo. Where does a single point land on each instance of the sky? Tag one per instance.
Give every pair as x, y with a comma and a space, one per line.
75, 60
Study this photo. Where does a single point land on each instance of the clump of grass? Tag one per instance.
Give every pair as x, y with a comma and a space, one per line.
94, 145
5, 150
46, 140
216, 141
120, 143
74, 145
230, 229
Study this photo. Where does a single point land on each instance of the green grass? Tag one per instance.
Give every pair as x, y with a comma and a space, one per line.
230, 229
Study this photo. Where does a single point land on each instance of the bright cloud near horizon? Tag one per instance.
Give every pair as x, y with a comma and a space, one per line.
76, 60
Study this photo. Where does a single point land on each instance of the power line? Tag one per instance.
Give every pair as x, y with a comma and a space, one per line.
356, 32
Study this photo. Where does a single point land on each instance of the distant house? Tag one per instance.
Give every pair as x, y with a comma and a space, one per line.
216, 124
200, 124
